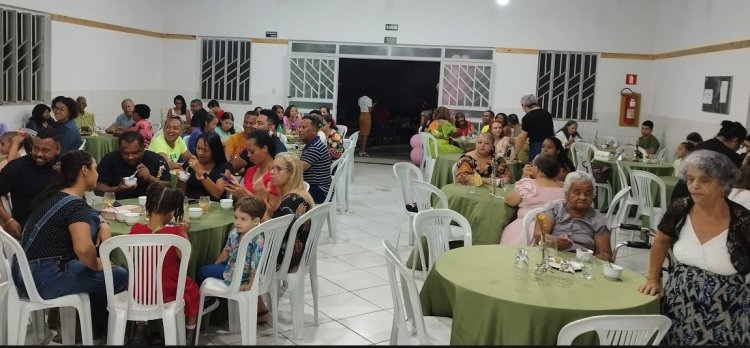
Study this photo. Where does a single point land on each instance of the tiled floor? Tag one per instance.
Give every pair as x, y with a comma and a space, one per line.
354, 299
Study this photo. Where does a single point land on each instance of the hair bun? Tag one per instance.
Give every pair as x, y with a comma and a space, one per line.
727, 123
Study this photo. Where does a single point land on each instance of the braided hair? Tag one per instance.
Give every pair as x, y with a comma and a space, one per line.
161, 199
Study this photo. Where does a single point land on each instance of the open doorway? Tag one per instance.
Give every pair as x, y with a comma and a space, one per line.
403, 89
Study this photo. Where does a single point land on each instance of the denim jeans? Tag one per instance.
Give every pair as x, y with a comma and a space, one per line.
55, 280
212, 271
534, 149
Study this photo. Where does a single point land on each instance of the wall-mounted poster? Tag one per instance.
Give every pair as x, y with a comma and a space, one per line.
716, 94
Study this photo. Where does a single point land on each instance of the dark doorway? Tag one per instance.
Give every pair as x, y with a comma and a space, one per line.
404, 87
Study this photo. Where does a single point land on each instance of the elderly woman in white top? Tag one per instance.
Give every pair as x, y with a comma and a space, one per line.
706, 295
572, 222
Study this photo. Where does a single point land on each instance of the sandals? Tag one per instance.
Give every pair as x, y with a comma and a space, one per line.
364, 154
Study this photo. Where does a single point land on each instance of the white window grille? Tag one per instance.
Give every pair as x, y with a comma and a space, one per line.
23, 38
312, 79
225, 69
565, 84
466, 85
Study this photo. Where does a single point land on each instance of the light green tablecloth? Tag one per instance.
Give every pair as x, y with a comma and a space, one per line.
467, 144
207, 235
487, 215
489, 306
100, 145
442, 175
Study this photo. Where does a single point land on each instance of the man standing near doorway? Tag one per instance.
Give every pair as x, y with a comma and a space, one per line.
365, 123
536, 125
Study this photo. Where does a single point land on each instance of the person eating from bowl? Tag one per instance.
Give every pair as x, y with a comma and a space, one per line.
573, 222
131, 159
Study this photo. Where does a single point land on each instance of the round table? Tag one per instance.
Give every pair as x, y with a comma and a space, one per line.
488, 215
476, 286
207, 235
442, 172
100, 145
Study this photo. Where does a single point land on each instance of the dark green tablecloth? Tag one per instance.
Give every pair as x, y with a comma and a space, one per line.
442, 175
207, 235
489, 306
100, 145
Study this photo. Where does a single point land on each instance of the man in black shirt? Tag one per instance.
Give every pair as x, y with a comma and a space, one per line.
25, 177
536, 126
132, 157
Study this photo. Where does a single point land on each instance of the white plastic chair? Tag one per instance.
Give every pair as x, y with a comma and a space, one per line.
83, 144
642, 183
308, 265
611, 141
454, 171
616, 213
350, 171
618, 330
581, 151
342, 196
348, 144
435, 225
342, 130
644, 153
586, 166
661, 155
410, 326
307, 186
338, 170
144, 299
623, 171
20, 309
428, 162
404, 172
527, 220
281, 136
423, 192
243, 305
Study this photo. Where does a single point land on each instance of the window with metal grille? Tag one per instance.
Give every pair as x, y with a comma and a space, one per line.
565, 84
225, 69
23, 37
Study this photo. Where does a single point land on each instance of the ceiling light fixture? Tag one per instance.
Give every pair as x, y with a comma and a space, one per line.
503, 2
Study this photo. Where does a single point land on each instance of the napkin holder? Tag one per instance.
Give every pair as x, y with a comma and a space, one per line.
111, 213
601, 155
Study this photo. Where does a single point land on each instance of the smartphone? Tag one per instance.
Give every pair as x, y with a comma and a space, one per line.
228, 179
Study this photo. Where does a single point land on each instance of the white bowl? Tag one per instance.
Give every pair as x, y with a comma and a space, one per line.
195, 212
614, 272
226, 203
584, 255
120, 215
132, 218
142, 200
130, 182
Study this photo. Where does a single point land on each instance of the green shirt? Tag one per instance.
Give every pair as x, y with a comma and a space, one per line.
159, 145
86, 119
648, 143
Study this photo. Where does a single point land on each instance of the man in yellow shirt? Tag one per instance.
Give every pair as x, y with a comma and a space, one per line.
234, 145
487, 118
85, 118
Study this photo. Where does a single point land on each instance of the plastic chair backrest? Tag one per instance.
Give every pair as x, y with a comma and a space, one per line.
435, 226
625, 180
307, 186
527, 220
342, 130
642, 182
429, 148
354, 137
423, 192
347, 144
316, 217
619, 330
83, 144
454, 170
582, 151
11, 248
281, 136
145, 254
611, 141
405, 172
662, 154
273, 230
407, 309
644, 153
616, 212
338, 167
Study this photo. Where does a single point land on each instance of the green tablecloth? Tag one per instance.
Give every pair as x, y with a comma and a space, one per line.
207, 235
660, 169
488, 215
100, 145
467, 144
476, 287
442, 174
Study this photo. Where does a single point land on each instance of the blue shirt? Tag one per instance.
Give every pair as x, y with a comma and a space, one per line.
123, 121
70, 136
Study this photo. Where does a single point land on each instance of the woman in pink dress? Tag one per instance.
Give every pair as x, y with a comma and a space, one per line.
537, 187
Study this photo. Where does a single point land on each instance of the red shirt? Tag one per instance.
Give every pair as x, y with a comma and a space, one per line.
265, 179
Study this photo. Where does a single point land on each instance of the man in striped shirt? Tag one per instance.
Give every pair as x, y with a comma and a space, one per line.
316, 162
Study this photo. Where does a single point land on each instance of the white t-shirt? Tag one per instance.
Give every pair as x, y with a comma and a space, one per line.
712, 255
365, 103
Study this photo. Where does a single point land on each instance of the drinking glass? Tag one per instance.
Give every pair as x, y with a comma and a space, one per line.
108, 200
204, 202
521, 264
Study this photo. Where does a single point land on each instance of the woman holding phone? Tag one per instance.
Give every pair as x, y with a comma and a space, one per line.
261, 149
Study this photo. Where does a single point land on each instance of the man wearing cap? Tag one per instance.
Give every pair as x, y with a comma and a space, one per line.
536, 126
647, 140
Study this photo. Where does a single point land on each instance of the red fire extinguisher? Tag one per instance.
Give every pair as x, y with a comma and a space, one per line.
630, 106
